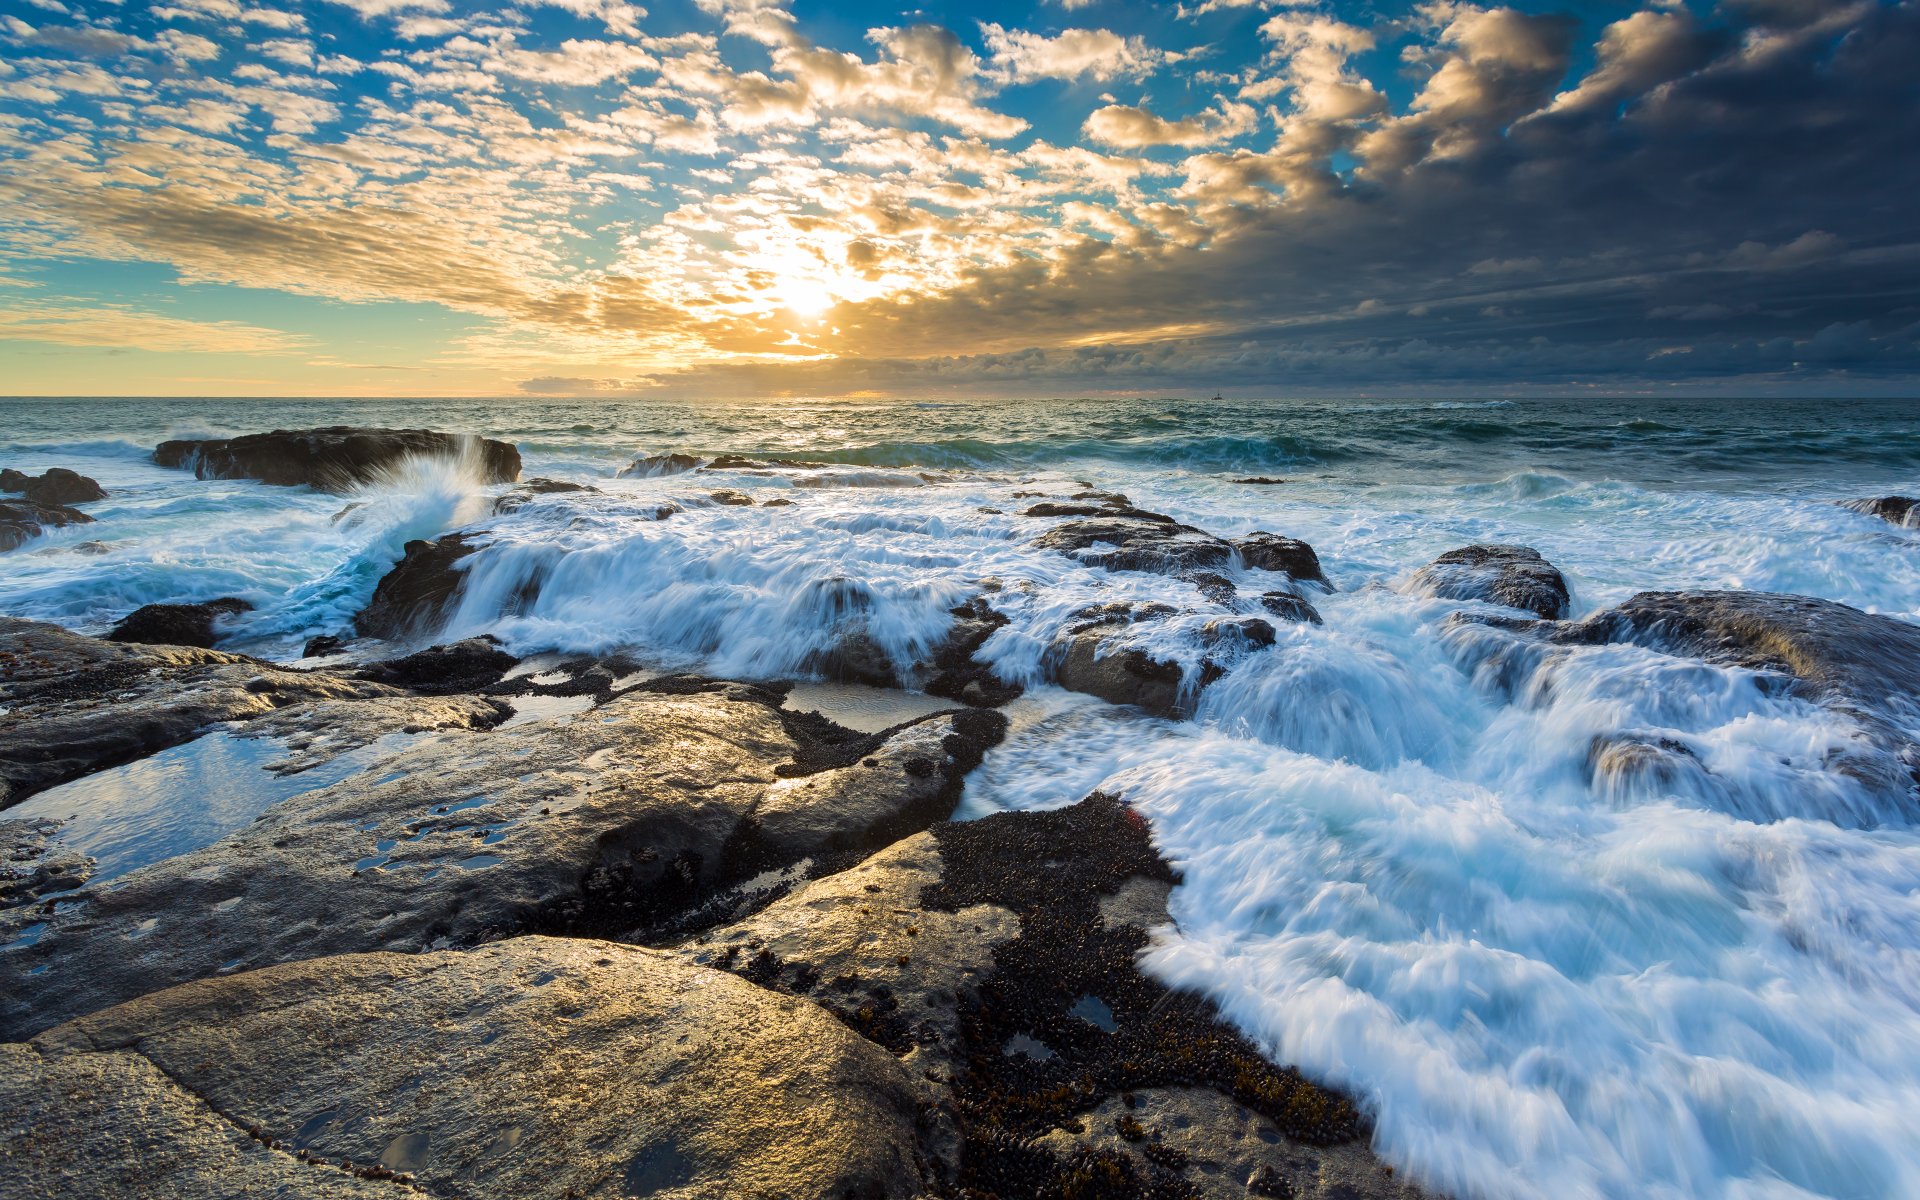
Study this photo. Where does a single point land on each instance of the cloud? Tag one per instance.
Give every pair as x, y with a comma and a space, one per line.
120, 327
1020, 56
1131, 127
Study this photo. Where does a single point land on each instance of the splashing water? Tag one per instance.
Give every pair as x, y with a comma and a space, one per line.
1580, 921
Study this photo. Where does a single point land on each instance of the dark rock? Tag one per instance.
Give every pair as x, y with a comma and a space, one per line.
736, 462
22, 520
731, 498
524, 494
177, 624
1130, 540
333, 458
322, 646
653, 466
34, 864
55, 488
1895, 509
1087, 660
416, 595
1290, 607
468, 666
1271, 552
627, 821
776, 502
76, 704
535, 1068
1515, 576
951, 670
1237, 633
1261, 480
856, 658
1215, 587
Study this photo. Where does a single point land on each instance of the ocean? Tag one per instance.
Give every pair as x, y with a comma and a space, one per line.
1401, 872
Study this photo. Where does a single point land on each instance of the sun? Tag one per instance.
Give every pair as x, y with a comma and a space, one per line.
804, 296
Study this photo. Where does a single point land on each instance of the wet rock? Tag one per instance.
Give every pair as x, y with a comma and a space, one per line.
1237, 633
776, 502
736, 462
731, 498
178, 624
1897, 510
23, 520
998, 958
653, 466
56, 487
1639, 764
953, 672
334, 458
1217, 588
1290, 606
612, 821
33, 863
1093, 659
417, 594
1271, 552
75, 704
1515, 576
538, 1068
855, 657
322, 646
1260, 480
1131, 540
471, 665
525, 494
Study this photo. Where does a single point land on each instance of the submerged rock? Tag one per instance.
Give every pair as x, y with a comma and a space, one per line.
953, 672
55, 487
525, 494
177, 624
418, 592
332, 458
23, 520
74, 704
655, 465
1897, 510
537, 1068
1515, 576
1290, 606
604, 822
1291, 556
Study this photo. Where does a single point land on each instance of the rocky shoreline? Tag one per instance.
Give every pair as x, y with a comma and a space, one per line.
591, 931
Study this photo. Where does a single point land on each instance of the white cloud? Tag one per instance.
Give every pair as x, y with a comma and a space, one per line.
1131, 127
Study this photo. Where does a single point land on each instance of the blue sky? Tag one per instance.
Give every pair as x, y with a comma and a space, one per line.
743, 197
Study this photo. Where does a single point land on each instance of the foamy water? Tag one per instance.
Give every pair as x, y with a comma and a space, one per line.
1402, 871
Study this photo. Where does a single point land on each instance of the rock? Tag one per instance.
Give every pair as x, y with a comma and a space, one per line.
177, 624
951, 670
776, 502
1237, 633
55, 488
537, 1068
1515, 576
731, 498
22, 520
1271, 552
1130, 540
465, 666
417, 594
1217, 588
653, 466
322, 646
523, 495
33, 863
736, 462
333, 458
1260, 480
1086, 659
75, 704
998, 959
1895, 509
615, 821
1290, 606
1052, 508
855, 657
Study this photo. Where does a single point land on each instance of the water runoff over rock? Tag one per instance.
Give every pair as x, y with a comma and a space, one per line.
1573, 916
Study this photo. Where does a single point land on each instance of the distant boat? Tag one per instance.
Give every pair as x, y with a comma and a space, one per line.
1218, 396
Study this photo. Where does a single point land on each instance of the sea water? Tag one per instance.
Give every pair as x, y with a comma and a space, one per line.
1401, 871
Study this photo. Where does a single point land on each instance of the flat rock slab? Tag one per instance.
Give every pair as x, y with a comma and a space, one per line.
595, 822
75, 704
530, 1068
333, 458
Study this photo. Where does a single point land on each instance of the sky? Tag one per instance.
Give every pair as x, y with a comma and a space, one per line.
740, 198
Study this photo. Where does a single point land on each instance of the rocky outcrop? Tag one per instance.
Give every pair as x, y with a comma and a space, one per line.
23, 520
1091, 657
730, 498
1127, 539
55, 487
998, 959
608, 822
74, 704
653, 466
1515, 576
416, 595
1897, 510
177, 624
1290, 556
536, 1068
953, 672
529, 491
333, 458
